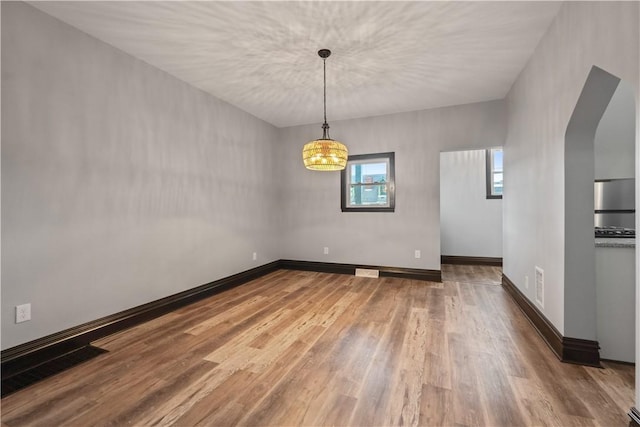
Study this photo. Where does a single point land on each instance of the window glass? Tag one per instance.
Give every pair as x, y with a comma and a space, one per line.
494, 173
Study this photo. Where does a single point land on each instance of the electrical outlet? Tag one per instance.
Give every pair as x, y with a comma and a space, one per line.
540, 286
255, 256
417, 253
23, 313
326, 250
526, 282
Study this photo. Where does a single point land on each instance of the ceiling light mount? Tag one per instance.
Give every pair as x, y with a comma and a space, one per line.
325, 154
324, 53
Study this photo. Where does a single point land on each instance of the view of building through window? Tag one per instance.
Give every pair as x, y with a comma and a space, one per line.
368, 173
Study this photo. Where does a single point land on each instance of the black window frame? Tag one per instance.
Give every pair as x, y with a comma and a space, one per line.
490, 172
345, 183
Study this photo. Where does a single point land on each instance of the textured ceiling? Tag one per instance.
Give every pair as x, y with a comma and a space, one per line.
387, 56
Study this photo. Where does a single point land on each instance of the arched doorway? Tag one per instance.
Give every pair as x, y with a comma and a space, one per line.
584, 293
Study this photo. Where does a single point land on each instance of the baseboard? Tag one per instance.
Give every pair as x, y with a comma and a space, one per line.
581, 352
570, 350
471, 260
328, 267
618, 362
49, 368
634, 414
28, 355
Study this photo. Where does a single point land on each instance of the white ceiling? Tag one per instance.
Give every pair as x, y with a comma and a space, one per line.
387, 56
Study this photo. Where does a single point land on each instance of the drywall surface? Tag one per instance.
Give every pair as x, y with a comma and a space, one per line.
120, 184
540, 105
313, 219
615, 282
470, 224
615, 141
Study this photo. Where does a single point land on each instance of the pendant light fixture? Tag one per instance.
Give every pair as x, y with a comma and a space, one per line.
325, 154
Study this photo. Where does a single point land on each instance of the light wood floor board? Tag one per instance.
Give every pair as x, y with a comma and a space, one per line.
304, 348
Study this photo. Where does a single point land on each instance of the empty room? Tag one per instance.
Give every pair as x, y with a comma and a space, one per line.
316, 213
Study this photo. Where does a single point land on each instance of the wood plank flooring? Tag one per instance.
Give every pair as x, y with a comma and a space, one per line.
304, 348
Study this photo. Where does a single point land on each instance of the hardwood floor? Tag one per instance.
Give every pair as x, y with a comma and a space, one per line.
304, 348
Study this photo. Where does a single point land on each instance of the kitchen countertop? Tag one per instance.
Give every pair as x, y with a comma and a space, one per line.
615, 242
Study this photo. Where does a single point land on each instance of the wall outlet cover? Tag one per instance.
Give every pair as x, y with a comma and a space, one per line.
417, 253
23, 313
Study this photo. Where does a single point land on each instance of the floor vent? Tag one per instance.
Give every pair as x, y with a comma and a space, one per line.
366, 272
48, 369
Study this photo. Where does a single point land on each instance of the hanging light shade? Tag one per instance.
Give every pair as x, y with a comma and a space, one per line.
325, 154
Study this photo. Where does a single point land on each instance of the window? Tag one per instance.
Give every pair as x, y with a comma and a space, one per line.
494, 173
368, 183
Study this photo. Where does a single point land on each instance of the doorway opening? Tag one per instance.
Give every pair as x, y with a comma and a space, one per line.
471, 214
600, 283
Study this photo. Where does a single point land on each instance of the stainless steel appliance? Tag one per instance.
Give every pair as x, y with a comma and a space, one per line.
612, 231
615, 203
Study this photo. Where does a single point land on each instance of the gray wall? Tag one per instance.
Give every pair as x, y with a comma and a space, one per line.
313, 220
615, 142
616, 296
120, 184
540, 105
470, 224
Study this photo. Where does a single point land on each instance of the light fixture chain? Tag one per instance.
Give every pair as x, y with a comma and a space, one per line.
324, 65
325, 125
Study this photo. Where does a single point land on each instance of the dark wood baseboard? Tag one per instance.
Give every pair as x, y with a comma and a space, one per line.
581, 352
49, 368
471, 260
28, 355
570, 350
327, 267
24, 357
619, 362
634, 414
